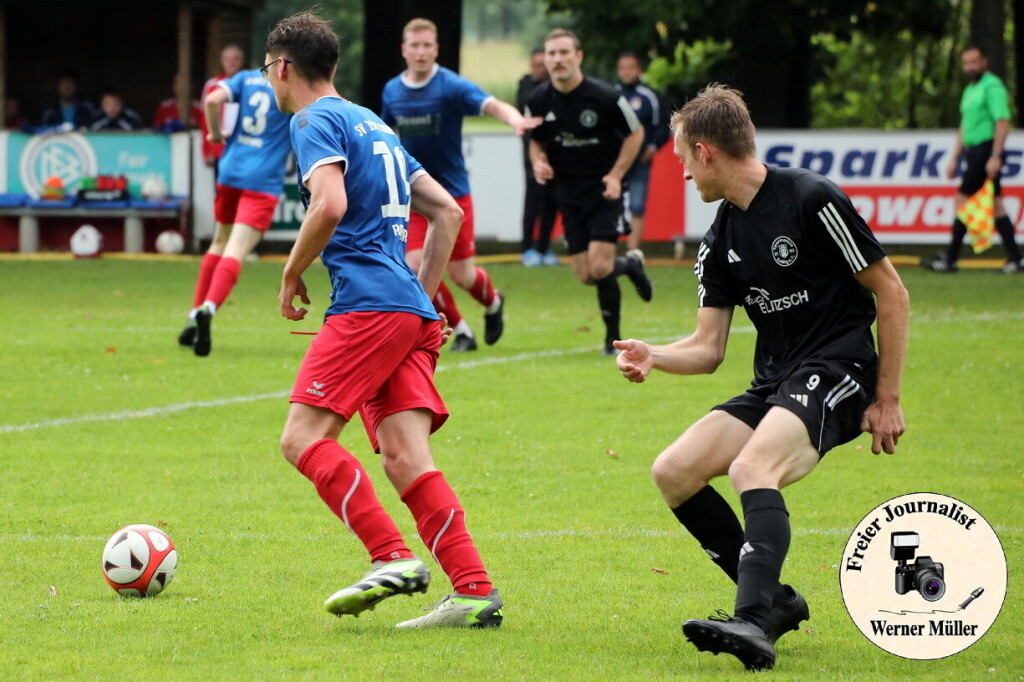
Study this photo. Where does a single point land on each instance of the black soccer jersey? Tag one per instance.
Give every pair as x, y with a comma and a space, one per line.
789, 261
582, 134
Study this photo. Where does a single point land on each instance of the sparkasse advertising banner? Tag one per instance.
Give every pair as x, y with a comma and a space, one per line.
897, 181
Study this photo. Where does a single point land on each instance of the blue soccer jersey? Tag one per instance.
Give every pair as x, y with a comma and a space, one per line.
254, 157
428, 117
366, 256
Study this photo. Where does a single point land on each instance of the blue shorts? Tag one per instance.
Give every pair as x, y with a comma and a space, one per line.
636, 190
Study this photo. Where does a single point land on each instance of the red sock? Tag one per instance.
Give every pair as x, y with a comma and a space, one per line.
442, 526
343, 484
224, 278
444, 302
482, 289
206, 269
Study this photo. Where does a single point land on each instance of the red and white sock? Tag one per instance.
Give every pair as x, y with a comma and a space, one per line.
444, 302
344, 485
223, 281
482, 289
442, 526
206, 269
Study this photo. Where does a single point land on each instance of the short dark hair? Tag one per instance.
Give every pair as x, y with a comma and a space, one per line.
972, 46
537, 50
309, 42
718, 116
632, 54
562, 33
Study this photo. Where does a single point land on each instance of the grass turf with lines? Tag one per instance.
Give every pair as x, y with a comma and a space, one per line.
547, 446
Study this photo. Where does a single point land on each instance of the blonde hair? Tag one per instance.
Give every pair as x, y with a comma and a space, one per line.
718, 116
419, 24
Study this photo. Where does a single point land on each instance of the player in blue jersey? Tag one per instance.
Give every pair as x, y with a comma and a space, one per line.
379, 343
426, 104
249, 182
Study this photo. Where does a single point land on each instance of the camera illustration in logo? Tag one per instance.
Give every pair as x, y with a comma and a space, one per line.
923, 575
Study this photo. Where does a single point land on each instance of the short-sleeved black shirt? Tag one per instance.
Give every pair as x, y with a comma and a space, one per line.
789, 260
582, 134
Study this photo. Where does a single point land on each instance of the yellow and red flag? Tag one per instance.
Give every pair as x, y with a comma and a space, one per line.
978, 215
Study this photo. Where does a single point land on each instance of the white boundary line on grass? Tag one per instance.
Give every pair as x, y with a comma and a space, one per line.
181, 407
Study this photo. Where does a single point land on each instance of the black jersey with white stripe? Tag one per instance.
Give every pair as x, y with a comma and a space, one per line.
789, 260
582, 133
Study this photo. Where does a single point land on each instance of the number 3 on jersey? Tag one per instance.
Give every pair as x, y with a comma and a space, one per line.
394, 168
255, 125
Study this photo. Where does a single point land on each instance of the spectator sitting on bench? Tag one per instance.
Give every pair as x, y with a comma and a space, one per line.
114, 114
69, 107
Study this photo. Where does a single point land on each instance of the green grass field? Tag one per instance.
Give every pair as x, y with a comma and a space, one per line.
106, 422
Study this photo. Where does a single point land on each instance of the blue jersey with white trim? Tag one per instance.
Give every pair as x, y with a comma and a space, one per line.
428, 117
789, 259
366, 255
255, 153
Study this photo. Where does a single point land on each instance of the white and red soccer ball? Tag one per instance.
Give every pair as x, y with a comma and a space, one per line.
139, 561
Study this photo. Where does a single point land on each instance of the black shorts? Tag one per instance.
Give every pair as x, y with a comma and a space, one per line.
974, 171
598, 221
828, 396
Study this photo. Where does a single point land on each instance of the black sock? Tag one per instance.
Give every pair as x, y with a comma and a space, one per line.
624, 265
713, 523
766, 542
1005, 229
959, 232
609, 299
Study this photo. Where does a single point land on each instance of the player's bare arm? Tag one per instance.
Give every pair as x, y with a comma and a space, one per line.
995, 162
444, 218
510, 116
627, 154
542, 170
327, 205
700, 353
211, 108
958, 149
884, 417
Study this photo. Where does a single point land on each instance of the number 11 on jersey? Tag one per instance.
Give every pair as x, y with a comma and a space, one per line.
394, 167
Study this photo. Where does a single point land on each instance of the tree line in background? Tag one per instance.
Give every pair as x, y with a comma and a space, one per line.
801, 63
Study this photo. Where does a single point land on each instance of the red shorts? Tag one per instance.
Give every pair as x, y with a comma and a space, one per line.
374, 363
465, 243
233, 205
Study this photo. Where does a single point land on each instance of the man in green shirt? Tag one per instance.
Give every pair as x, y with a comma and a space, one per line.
981, 139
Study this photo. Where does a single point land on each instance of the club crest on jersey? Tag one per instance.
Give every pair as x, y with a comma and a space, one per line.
588, 118
784, 251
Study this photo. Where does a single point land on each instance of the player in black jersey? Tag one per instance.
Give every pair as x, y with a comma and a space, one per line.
788, 246
586, 144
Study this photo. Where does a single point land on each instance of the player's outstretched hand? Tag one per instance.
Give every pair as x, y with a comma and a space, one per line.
884, 421
527, 124
612, 187
635, 361
446, 331
289, 290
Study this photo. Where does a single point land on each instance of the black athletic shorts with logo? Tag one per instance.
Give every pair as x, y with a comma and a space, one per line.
828, 396
599, 221
974, 177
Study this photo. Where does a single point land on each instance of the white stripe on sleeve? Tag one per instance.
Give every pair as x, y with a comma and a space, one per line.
627, 111
842, 237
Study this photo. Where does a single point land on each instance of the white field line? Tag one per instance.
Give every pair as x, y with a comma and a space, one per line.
181, 407
507, 535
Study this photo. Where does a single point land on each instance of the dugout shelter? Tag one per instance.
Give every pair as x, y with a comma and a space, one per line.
135, 46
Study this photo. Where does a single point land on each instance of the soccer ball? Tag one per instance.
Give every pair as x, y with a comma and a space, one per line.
139, 561
170, 242
154, 188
